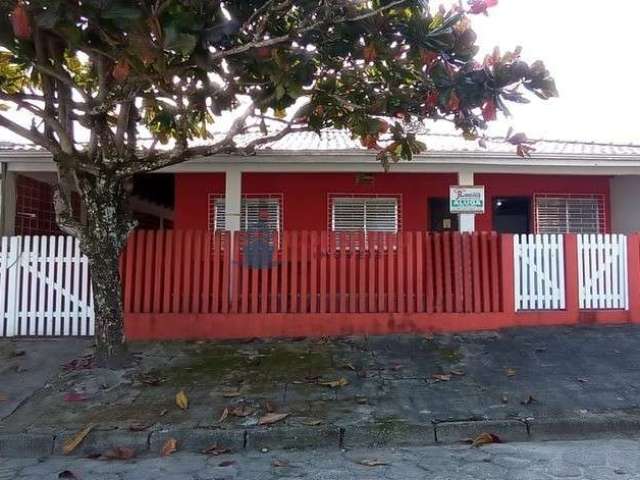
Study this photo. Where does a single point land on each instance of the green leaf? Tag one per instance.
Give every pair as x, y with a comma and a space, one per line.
183, 43
121, 12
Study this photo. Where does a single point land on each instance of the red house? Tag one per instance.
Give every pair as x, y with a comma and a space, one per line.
352, 249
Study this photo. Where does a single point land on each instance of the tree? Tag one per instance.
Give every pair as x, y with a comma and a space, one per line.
118, 88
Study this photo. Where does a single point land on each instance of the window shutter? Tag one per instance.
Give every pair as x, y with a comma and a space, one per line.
217, 220
259, 214
381, 215
569, 214
378, 214
256, 213
348, 215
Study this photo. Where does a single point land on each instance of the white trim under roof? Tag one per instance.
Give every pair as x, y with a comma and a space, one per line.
324, 161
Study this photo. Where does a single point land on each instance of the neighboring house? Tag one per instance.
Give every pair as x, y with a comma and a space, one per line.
329, 183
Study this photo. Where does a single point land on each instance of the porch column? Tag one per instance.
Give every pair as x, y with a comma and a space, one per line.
466, 221
7, 201
232, 199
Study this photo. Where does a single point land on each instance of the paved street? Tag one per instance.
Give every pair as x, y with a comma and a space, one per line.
597, 460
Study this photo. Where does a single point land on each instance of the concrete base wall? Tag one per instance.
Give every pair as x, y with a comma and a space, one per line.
625, 204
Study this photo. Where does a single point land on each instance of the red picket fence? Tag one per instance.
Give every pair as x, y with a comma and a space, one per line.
199, 272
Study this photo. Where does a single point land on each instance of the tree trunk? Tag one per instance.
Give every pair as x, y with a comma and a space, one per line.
107, 298
102, 237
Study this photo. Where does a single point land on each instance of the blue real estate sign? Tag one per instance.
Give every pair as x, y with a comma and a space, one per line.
466, 199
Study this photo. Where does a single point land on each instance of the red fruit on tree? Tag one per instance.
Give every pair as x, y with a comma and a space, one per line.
454, 102
383, 127
481, 6
20, 22
431, 100
489, 111
369, 141
369, 53
263, 52
428, 57
120, 70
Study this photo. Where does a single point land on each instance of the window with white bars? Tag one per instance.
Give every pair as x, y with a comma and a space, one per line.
364, 214
559, 213
256, 213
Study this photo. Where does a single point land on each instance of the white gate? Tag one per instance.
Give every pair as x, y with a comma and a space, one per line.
539, 272
45, 289
602, 272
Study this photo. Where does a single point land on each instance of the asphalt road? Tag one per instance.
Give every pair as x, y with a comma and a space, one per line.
593, 459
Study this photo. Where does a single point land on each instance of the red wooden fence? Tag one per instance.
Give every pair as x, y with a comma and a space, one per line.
199, 272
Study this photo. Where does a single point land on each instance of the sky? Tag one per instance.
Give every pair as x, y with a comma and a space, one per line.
590, 47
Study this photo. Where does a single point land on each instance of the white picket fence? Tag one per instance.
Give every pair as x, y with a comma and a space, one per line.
602, 272
45, 289
539, 272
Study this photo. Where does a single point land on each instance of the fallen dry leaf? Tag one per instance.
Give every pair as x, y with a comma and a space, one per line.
138, 426
349, 366
312, 422
74, 397
231, 392
360, 400
510, 372
241, 411
279, 463
528, 401
182, 401
457, 373
169, 447
163, 412
85, 363
271, 418
340, 382
216, 450
485, 439
441, 377
151, 380
119, 453
71, 444
372, 462
223, 415
68, 474
227, 463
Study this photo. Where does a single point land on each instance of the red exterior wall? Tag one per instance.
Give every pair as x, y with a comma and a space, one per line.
305, 196
504, 185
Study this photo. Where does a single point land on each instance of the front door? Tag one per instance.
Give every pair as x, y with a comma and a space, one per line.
511, 214
440, 219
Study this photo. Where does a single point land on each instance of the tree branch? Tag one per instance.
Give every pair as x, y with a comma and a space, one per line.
30, 134
290, 36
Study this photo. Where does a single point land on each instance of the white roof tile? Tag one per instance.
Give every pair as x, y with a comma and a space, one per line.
341, 141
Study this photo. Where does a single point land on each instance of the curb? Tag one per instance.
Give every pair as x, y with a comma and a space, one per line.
373, 435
